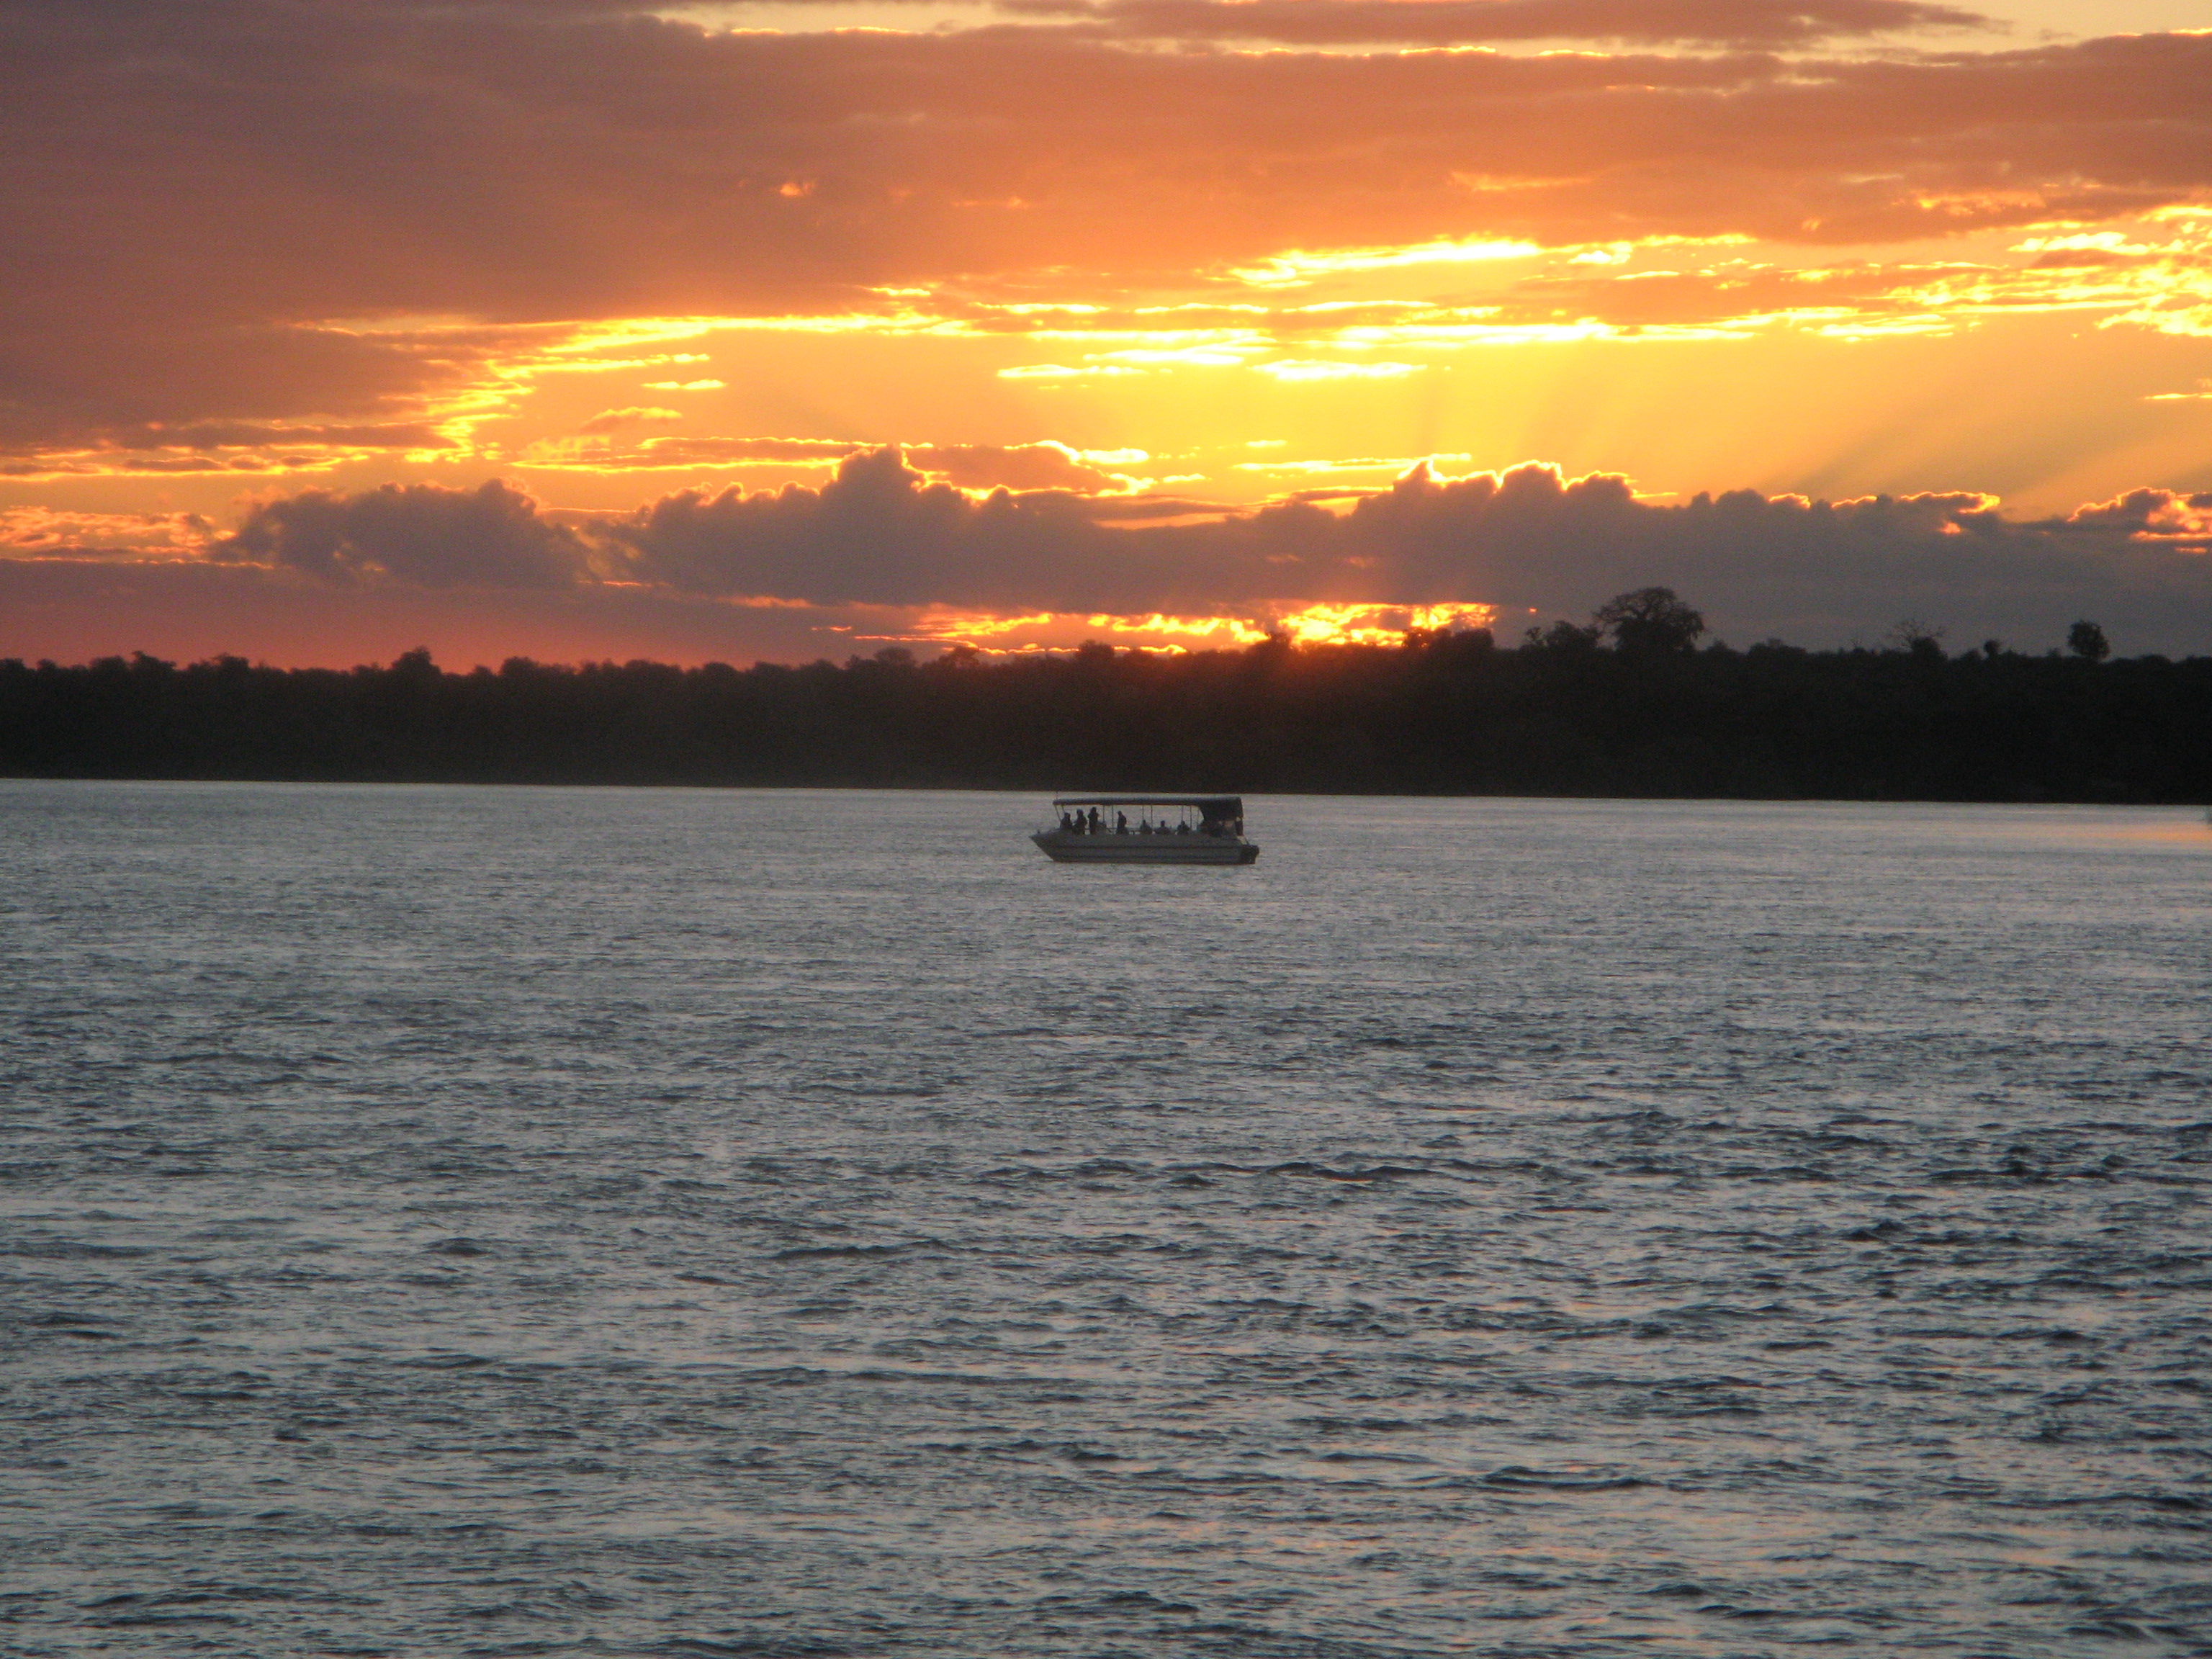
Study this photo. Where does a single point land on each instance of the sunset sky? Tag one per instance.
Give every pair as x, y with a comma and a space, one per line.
578, 329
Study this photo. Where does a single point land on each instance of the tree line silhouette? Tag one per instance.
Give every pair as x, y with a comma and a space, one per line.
1627, 704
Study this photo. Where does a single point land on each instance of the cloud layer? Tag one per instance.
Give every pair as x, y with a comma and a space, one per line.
439, 242
1460, 22
417, 535
327, 213
1528, 541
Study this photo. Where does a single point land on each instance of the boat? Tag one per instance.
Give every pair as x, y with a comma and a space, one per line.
1166, 830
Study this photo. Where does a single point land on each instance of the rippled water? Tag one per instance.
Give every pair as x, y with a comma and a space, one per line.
483, 1222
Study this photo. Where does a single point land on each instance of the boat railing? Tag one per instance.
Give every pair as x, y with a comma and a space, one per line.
1217, 831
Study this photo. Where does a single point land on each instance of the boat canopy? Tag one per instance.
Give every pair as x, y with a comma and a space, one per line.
1212, 806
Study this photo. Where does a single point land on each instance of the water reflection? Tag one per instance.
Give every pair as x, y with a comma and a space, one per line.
449, 1220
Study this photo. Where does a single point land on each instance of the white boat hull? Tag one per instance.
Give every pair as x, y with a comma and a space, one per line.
1108, 848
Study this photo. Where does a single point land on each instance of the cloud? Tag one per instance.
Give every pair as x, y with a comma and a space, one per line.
122, 449
1805, 570
616, 419
1301, 368
878, 533
1044, 466
2183, 521
356, 212
1456, 22
708, 451
44, 532
1526, 540
1022, 466
415, 535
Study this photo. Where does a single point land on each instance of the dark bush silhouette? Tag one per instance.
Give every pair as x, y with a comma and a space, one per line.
1441, 712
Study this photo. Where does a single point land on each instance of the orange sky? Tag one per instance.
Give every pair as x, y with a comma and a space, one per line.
343, 326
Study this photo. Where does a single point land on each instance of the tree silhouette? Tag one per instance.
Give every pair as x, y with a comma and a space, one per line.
1563, 636
1441, 712
1916, 638
1649, 621
2087, 641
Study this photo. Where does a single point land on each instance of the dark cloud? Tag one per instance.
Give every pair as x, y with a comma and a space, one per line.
878, 532
102, 368
2145, 515
241, 212
1813, 571
232, 435
881, 534
216, 446
1453, 22
417, 535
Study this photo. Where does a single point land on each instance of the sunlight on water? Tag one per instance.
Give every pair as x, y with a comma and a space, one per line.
452, 1221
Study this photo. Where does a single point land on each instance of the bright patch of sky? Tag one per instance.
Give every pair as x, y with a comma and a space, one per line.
2078, 19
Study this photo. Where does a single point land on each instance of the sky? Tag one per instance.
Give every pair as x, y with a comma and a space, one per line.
579, 329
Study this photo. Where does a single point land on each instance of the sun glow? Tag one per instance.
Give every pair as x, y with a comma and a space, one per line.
1378, 624
1302, 369
502, 393
1305, 623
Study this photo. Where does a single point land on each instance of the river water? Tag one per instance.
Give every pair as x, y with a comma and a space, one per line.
514, 1221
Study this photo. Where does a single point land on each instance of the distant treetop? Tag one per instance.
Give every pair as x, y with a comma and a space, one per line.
1650, 620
